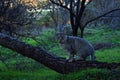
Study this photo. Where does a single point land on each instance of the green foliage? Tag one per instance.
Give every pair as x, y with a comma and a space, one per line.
102, 35
30, 41
2, 66
48, 42
47, 74
93, 74
5, 51
89, 74
10, 60
21, 68
43, 74
109, 55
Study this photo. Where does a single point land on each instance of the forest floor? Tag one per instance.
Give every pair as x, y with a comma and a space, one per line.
22, 68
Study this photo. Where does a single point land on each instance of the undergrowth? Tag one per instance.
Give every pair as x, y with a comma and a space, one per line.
21, 68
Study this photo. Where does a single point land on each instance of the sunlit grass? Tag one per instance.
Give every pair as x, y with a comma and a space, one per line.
30, 41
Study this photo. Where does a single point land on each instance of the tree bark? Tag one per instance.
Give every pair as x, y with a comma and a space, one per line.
58, 64
75, 31
82, 32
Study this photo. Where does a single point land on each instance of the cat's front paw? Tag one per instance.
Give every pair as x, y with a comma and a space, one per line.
70, 60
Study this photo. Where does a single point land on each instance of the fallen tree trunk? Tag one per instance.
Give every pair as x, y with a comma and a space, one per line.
58, 64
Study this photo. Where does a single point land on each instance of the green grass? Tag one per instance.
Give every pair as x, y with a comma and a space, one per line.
47, 74
92, 74
30, 41
108, 55
89, 74
102, 35
43, 74
30, 70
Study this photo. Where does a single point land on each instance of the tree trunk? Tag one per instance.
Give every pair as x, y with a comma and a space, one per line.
56, 63
75, 31
82, 32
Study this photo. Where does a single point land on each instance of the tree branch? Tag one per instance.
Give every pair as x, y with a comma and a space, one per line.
88, 2
58, 64
81, 10
98, 17
61, 5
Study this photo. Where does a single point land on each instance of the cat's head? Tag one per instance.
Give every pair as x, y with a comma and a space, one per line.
60, 37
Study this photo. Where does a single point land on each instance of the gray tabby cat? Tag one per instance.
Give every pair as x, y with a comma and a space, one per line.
75, 46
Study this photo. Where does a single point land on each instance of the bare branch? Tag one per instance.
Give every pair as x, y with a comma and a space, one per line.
60, 2
98, 17
63, 6
82, 9
78, 7
60, 5
88, 2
